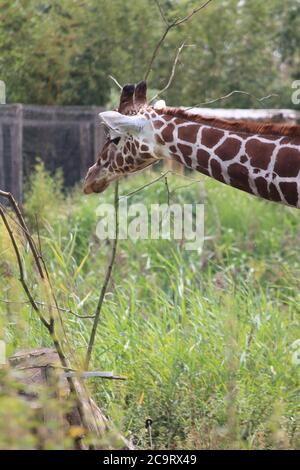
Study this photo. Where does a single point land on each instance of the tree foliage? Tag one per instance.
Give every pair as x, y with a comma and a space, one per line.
61, 52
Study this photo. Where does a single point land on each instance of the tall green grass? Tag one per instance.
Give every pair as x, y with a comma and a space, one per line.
209, 343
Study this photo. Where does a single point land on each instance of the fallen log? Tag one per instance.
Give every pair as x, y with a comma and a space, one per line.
40, 369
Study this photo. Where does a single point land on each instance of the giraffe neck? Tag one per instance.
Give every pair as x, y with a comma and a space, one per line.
267, 166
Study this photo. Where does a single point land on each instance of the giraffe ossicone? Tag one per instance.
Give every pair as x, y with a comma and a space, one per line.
262, 159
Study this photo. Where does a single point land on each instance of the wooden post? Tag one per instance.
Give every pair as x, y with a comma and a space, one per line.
17, 155
84, 131
11, 142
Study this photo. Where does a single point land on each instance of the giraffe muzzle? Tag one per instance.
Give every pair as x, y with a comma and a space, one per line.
95, 187
95, 181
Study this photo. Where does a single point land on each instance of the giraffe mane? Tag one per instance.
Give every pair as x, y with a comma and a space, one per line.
249, 127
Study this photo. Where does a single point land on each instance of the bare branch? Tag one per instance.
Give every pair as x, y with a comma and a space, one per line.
234, 92
21, 269
163, 175
186, 185
21, 220
145, 185
155, 52
169, 26
168, 190
264, 98
189, 16
106, 279
43, 304
115, 81
97, 374
172, 74
161, 12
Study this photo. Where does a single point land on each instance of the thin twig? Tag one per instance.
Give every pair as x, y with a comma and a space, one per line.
115, 81
259, 100
189, 16
155, 180
145, 185
38, 234
21, 269
37, 255
171, 77
21, 220
168, 190
43, 304
186, 185
106, 279
161, 12
169, 26
92, 374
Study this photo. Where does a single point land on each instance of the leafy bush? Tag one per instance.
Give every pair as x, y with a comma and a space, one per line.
43, 194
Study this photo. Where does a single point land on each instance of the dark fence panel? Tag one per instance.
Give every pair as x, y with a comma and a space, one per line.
11, 142
62, 137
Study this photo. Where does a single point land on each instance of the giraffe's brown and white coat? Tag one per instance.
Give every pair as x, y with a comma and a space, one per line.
261, 159
264, 165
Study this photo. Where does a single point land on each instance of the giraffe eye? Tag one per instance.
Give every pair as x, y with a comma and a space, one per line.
116, 140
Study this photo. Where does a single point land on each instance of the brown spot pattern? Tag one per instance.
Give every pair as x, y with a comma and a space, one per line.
167, 133
186, 150
210, 137
229, 149
177, 158
290, 191
129, 160
262, 187
159, 140
239, 177
202, 170
203, 158
120, 160
274, 194
216, 170
158, 124
188, 133
259, 152
287, 162
188, 161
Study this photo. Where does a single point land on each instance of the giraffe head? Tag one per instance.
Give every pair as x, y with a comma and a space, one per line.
130, 142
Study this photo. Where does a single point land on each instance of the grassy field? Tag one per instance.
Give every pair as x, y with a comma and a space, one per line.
210, 343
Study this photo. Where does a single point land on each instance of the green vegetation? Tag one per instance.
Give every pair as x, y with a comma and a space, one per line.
61, 52
209, 344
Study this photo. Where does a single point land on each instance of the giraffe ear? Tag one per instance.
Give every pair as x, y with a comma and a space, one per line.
121, 124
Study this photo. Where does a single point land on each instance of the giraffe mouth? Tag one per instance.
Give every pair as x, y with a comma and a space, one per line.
95, 187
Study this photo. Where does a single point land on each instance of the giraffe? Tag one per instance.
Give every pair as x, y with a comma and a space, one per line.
262, 159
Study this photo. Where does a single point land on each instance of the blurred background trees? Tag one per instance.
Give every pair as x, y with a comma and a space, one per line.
61, 52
